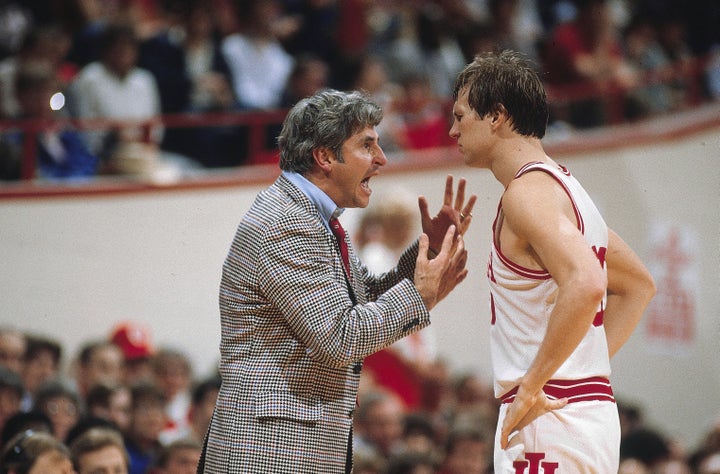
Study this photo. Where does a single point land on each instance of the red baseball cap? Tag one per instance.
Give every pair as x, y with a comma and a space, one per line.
134, 339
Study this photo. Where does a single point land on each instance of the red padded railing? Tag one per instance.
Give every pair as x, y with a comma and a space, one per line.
256, 122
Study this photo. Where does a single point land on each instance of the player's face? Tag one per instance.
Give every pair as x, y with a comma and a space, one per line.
471, 132
363, 159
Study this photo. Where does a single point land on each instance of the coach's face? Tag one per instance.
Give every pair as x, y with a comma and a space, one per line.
350, 179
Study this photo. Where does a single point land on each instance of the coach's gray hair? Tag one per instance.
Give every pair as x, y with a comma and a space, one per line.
327, 119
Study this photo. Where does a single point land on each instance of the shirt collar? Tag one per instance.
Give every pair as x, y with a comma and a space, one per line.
325, 206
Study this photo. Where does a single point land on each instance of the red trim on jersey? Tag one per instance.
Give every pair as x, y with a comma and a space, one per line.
591, 388
563, 170
519, 269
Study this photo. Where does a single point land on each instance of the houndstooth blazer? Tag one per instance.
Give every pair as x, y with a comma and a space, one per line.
293, 337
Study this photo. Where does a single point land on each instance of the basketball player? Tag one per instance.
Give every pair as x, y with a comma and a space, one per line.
566, 292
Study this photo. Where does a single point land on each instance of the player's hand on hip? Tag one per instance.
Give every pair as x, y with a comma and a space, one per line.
454, 211
524, 410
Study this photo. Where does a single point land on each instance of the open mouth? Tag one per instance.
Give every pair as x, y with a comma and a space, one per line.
365, 184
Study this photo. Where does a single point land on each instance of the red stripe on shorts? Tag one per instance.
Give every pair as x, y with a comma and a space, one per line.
583, 390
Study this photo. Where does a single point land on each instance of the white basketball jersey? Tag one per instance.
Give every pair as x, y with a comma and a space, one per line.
522, 299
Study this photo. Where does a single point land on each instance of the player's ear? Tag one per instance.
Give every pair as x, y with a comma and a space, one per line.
501, 111
499, 115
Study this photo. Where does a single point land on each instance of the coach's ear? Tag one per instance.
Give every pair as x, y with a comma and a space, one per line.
324, 158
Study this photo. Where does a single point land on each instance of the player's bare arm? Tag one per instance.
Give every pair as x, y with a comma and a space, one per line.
542, 230
630, 289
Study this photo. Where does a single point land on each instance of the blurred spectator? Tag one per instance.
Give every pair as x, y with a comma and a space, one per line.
173, 376
85, 424
179, 457
16, 21
410, 463
312, 28
645, 445
41, 363
87, 20
480, 38
420, 436
706, 458
112, 403
13, 344
193, 76
162, 54
712, 73
23, 421
147, 422
706, 462
467, 451
204, 396
516, 25
631, 417
34, 453
116, 88
711, 440
11, 392
352, 28
61, 402
10, 160
672, 37
99, 450
309, 75
369, 74
474, 403
424, 119
204, 62
585, 55
632, 466
436, 395
185, 59
673, 466
135, 341
61, 152
647, 56
258, 63
378, 425
368, 463
384, 231
99, 362
427, 45
46, 45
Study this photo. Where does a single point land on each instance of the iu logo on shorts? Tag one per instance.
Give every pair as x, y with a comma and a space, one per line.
532, 464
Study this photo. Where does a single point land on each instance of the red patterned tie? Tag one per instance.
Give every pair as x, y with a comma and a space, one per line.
339, 232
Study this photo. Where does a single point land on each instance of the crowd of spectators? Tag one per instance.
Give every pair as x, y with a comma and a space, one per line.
123, 405
120, 405
122, 65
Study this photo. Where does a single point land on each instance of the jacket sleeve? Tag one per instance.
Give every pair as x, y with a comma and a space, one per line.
301, 275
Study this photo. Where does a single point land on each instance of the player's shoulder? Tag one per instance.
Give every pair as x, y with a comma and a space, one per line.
533, 185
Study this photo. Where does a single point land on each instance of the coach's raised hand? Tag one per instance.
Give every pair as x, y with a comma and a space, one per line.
457, 213
433, 276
